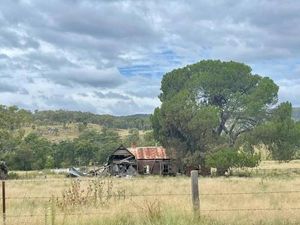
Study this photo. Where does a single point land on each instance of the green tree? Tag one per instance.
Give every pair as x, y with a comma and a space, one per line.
11, 121
148, 139
20, 159
280, 134
85, 151
109, 141
211, 104
224, 159
64, 154
92, 146
30, 153
133, 137
40, 147
13, 118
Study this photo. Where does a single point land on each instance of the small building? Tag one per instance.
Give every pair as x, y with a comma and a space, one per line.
140, 160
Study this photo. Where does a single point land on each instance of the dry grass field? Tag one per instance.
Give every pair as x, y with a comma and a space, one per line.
264, 199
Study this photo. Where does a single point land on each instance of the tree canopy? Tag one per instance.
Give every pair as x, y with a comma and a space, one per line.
209, 104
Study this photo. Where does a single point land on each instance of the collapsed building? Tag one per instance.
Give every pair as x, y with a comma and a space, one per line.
140, 160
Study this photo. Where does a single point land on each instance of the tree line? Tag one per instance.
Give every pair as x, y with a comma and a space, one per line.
139, 121
34, 152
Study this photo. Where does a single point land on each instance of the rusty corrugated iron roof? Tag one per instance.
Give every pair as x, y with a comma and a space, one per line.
149, 153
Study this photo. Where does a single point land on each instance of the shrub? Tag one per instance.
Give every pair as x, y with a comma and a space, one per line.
224, 159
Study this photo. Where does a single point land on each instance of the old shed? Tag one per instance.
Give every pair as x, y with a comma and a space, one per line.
140, 160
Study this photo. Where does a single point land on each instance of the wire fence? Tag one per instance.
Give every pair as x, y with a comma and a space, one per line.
253, 171
9, 199
128, 195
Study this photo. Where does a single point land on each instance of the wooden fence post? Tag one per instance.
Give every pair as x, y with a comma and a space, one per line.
53, 211
195, 192
3, 202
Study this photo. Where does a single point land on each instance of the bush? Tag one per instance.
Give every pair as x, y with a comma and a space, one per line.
224, 159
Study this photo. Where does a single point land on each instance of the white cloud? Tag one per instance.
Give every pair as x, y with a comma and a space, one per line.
289, 91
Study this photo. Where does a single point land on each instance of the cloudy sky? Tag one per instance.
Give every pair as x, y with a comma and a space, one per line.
110, 56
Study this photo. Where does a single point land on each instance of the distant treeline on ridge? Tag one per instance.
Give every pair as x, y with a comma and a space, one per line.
139, 121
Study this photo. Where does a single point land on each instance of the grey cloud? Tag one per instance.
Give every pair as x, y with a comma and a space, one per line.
106, 29
83, 94
47, 60
4, 74
3, 56
105, 78
239, 30
30, 80
65, 103
10, 38
228, 29
98, 20
33, 64
12, 89
128, 107
8, 88
145, 93
111, 95
23, 91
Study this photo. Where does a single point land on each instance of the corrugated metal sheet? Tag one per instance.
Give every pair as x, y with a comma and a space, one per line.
149, 153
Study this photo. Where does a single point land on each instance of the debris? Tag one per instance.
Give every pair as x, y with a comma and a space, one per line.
102, 171
74, 172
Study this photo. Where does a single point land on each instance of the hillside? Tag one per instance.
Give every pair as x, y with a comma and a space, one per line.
60, 132
66, 125
139, 121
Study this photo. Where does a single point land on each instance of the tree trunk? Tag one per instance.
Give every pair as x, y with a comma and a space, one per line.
221, 127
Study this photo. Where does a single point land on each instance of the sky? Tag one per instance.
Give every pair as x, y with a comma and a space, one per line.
108, 57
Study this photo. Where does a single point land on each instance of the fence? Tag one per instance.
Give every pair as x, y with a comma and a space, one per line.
195, 194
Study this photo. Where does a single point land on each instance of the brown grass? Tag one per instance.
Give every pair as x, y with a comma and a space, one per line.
160, 200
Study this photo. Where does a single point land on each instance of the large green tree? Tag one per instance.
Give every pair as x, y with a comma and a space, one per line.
11, 133
210, 104
33, 152
12, 118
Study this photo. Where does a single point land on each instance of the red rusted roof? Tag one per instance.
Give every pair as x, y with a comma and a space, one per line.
149, 152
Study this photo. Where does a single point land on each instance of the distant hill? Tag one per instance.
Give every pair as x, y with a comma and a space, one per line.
296, 113
139, 121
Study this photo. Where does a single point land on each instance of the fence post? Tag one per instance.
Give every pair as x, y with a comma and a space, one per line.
3, 202
195, 192
53, 212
